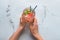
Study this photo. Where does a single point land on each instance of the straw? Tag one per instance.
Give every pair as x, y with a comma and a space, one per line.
30, 9
35, 8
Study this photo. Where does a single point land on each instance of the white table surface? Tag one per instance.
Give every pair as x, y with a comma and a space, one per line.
47, 14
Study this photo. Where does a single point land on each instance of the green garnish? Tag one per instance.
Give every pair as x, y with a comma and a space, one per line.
26, 12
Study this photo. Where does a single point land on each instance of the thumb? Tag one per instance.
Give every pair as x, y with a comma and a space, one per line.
35, 21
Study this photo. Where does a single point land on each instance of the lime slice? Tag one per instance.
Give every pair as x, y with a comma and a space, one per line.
25, 12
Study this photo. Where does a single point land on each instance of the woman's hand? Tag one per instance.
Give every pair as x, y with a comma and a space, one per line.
34, 30
22, 22
16, 34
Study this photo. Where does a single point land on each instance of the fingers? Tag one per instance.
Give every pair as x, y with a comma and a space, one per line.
20, 24
35, 22
20, 20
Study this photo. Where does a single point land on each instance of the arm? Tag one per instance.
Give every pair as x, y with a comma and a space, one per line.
38, 37
16, 34
35, 33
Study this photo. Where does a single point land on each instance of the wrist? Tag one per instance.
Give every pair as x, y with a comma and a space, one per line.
39, 37
21, 27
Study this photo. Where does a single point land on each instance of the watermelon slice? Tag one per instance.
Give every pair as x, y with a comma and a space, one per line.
29, 15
